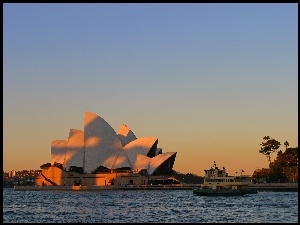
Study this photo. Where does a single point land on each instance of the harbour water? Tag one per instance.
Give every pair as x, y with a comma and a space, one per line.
151, 206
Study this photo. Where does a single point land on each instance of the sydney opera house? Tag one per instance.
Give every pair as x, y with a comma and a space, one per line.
98, 156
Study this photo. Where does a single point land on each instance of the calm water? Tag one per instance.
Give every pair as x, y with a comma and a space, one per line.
166, 206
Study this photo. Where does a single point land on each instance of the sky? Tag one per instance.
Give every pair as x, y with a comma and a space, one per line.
208, 80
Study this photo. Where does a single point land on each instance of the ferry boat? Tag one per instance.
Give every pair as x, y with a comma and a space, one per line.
217, 182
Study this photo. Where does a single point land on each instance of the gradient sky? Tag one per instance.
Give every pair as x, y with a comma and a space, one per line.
208, 80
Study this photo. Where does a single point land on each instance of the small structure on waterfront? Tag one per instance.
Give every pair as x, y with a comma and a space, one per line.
98, 156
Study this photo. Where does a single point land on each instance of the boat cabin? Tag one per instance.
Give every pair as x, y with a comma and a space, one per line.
219, 177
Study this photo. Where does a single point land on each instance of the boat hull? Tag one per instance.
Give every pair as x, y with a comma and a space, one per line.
248, 191
211, 192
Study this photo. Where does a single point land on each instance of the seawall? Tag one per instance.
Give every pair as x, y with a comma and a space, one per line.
108, 187
283, 187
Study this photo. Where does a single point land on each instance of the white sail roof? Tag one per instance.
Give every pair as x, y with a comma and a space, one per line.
75, 149
151, 164
125, 135
58, 151
99, 145
158, 160
101, 142
127, 157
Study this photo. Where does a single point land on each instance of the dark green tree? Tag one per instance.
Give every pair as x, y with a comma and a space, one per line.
285, 166
286, 144
277, 174
268, 146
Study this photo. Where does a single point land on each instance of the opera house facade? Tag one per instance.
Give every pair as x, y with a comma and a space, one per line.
98, 156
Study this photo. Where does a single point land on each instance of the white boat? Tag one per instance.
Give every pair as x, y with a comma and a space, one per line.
218, 182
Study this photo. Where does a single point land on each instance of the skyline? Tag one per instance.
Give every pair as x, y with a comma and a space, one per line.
208, 80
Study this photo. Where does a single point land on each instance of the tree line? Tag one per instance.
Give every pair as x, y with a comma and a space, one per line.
284, 168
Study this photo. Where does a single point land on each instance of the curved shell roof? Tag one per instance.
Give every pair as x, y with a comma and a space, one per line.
101, 142
99, 145
151, 164
139, 146
128, 156
75, 148
58, 151
158, 160
125, 135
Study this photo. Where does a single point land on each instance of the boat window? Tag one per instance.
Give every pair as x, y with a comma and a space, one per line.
214, 180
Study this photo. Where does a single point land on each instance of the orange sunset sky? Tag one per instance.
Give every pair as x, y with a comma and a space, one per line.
208, 80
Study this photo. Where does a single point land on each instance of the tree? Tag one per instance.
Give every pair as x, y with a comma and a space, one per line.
286, 144
277, 174
285, 166
268, 146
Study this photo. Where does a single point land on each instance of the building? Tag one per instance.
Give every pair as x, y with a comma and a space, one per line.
98, 156
12, 173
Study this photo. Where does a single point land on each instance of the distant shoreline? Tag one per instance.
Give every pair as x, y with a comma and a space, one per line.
283, 187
